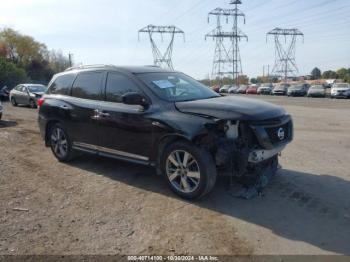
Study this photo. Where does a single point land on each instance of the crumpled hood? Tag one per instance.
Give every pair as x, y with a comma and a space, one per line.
232, 108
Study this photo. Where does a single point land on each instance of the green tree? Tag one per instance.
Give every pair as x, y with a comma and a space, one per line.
21, 49
329, 75
342, 73
316, 73
10, 74
34, 57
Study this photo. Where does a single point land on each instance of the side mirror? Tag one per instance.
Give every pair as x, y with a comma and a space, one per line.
134, 98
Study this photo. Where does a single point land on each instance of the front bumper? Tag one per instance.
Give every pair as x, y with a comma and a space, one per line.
340, 95
264, 92
296, 93
258, 156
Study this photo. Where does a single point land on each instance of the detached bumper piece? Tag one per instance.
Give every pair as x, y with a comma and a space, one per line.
268, 140
258, 156
252, 185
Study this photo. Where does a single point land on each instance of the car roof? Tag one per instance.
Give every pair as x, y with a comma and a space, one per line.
129, 69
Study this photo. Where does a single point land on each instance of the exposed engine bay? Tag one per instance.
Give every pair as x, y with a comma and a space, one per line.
248, 151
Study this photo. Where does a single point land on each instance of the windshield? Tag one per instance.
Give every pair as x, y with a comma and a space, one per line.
38, 88
296, 87
341, 85
176, 87
266, 85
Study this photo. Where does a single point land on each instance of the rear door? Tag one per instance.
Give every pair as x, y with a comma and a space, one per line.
125, 130
18, 94
86, 95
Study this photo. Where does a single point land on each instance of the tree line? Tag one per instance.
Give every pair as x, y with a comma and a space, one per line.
23, 59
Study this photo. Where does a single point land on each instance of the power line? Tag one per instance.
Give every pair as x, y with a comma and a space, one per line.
285, 62
162, 59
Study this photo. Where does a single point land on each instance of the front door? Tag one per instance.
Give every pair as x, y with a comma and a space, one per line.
125, 130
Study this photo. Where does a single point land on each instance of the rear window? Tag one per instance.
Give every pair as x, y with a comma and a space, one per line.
88, 86
61, 85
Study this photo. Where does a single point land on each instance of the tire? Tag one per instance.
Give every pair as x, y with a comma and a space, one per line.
61, 145
13, 101
201, 167
32, 104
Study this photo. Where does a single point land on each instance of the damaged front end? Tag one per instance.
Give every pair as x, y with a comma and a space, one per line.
248, 150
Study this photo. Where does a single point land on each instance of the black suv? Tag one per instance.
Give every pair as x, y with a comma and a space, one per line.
163, 119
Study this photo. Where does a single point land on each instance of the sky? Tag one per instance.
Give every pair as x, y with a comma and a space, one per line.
105, 31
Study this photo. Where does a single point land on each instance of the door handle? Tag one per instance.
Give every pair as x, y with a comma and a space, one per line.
64, 107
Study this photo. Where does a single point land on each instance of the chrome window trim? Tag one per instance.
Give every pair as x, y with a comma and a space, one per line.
109, 151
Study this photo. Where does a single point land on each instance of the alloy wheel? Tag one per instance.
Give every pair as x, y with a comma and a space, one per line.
183, 171
59, 142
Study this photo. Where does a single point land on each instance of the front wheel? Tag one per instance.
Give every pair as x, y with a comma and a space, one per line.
13, 101
190, 170
60, 143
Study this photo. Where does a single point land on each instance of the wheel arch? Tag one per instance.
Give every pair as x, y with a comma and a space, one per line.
48, 126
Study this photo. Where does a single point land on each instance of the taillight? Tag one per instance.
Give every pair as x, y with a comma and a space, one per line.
41, 102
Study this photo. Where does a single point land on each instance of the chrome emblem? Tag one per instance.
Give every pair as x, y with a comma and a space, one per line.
281, 133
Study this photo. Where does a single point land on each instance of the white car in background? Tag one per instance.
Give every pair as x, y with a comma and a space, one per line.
265, 89
224, 89
233, 89
340, 90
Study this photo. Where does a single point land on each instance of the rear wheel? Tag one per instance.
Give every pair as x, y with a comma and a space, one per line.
190, 170
13, 101
60, 143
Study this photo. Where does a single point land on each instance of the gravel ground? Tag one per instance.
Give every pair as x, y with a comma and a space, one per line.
102, 206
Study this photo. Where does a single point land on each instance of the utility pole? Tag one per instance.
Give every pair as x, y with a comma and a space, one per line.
227, 60
285, 62
163, 60
70, 57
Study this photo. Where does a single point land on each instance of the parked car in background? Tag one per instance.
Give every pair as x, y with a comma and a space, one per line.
163, 119
340, 90
27, 94
317, 91
1, 109
298, 90
265, 89
233, 89
252, 90
242, 89
4, 93
281, 90
215, 88
224, 89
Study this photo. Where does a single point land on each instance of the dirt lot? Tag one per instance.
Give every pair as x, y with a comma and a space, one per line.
102, 206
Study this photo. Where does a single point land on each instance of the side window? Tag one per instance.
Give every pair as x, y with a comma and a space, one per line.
88, 86
61, 85
117, 86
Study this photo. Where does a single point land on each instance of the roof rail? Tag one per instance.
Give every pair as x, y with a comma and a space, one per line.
87, 67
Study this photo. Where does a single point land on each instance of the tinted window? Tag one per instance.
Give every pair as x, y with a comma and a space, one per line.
38, 88
61, 85
117, 86
87, 85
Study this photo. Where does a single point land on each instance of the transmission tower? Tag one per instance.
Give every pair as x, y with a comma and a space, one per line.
285, 62
227, 59
163, 60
